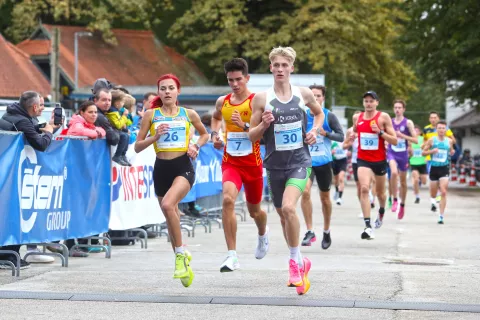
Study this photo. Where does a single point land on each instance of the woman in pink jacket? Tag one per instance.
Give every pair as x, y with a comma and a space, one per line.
83, 123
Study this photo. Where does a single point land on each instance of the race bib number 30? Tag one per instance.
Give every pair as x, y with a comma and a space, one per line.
440, 156
238, 144
401, 146
368, 141
317, 149
288, 136
175, 137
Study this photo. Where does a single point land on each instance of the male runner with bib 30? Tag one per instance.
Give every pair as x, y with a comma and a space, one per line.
242, 163
173, 175
279, 116
439, 147
321, 169
418, 163
373, 129
397, 156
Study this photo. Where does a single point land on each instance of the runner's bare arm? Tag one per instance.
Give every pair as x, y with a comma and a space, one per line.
348, 143
389, 134
426, 147
197, 124
354, 121
261, 119
413, 134
217, 115
142, 142
452, 149
319, 115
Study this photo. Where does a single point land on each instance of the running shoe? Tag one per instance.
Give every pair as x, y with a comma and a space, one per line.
307, 265
230, 264
367, 234
440, 219
434, 208
389, 203
339, 201
262, 246
187, 281
417, 200
326, 241
181, 266
438, 198
335, 197
395, 206
309, 238
401, 213
372, 205
379, 221
295, 279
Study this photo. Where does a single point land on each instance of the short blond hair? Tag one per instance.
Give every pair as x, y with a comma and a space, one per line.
130, 102
287, 52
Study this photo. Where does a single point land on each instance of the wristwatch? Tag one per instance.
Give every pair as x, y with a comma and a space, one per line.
246, 126
381, 132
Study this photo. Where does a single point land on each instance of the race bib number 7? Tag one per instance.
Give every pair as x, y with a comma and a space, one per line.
238, 144
368, 141
288, 136
317, 149
175, 137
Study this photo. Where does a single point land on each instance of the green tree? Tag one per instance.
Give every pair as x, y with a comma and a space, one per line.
96, 15
350, 41
443, 41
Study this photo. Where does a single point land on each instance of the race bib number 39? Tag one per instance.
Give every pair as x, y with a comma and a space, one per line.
175, 137
401, 146
238, 144
368, 141
317, 149
288, 136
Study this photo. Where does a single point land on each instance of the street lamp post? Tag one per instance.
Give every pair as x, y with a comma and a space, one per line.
76, 36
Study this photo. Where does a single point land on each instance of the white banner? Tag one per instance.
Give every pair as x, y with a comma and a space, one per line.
134, 203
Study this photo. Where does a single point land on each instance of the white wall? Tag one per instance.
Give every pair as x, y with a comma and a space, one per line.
471, 141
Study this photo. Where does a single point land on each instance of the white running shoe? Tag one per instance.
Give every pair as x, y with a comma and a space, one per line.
39, 258
360, 215
230, 264
378, 222
368, 234
339, 201
335, 197
262, 246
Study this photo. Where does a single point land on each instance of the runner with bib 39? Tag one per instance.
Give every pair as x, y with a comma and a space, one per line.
373, 128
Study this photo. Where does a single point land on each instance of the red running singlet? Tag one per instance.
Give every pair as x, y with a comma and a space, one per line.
371, 146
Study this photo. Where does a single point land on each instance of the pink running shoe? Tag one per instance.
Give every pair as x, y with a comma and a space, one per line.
295, 279
307, 264
401, 213
395, 206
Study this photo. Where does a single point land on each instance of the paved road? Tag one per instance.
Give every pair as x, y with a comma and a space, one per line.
413, 260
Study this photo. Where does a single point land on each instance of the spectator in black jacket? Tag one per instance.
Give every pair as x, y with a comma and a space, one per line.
21, 116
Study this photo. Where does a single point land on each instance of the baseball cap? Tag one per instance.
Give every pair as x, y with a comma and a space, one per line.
101, 83
372, 94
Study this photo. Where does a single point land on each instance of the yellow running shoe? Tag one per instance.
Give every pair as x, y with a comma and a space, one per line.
187, 281
181, 264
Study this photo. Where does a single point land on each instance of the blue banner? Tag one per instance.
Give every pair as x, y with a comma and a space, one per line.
62, 193
208, 173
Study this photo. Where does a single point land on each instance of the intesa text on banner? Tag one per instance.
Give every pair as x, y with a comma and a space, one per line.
134, 203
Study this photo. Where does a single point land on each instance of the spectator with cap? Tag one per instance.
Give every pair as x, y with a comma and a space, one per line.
21, 117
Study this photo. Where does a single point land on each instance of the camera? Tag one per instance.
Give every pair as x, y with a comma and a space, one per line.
58, 114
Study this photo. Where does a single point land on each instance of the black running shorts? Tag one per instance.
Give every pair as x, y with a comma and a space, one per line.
339, 166
437, 173
165, 171
422, 168
378, 168
324, 176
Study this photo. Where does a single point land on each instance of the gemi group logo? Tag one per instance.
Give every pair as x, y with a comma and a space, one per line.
134, 183
40, 194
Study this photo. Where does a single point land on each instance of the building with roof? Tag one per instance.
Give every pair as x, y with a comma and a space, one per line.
18, 73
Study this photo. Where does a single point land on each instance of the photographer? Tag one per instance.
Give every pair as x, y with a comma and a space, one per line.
21, 117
